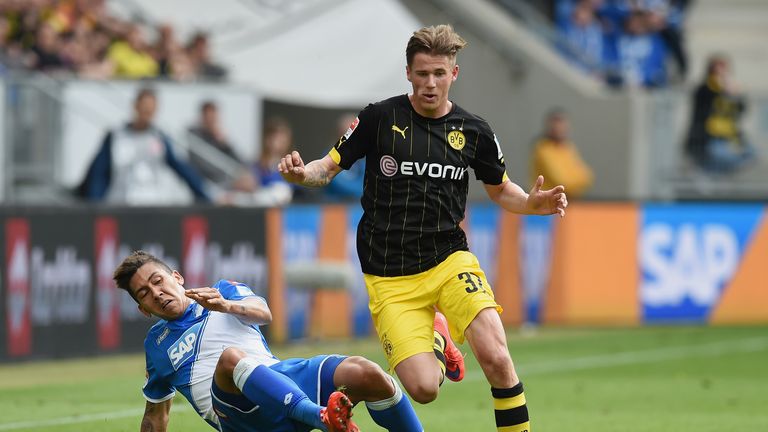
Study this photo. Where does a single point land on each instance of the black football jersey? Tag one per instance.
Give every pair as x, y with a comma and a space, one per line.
416, 182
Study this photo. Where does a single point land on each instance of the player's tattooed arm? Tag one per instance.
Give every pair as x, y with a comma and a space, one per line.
317, 173
253, 310
156, 416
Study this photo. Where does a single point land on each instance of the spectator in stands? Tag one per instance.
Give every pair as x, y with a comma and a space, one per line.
667, 19
199, 57
636, 55
716, 141
171, 56
98, 19
98, 44
137, 165
556, 157
81, 37
180, 66
212, 155
348, 184
637, 35
11, 55
583, 36
131, 57
164, 46
26, 18
277, 139
46, 50
83, 51
64, 15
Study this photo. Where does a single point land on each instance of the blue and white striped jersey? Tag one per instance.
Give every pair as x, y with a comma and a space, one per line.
182, 354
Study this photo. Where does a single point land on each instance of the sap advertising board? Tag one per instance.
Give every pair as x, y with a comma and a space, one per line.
688, 254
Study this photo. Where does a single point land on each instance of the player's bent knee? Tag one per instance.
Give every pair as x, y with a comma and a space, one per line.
223, 374
372, 372
421, 388
229, 359
358, 373
422, 392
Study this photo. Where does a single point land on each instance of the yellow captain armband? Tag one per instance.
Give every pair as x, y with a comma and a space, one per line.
334, 154
503, 179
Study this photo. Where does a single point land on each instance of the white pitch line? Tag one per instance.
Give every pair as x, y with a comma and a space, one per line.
85, 418
636, 357
565, 365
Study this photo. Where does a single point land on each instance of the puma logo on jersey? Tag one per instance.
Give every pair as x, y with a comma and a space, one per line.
400, 131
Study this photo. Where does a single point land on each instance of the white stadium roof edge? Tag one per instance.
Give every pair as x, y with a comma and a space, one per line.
328, 53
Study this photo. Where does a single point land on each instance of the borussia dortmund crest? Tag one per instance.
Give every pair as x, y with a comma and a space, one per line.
387, 344
456, 139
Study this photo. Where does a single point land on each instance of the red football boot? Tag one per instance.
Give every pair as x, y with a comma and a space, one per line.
454, 360
337, 415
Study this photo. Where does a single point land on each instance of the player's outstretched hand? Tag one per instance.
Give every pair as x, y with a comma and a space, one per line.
209, 298
291, 167
547, 202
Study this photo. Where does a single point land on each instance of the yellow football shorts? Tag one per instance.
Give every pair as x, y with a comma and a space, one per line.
403, 307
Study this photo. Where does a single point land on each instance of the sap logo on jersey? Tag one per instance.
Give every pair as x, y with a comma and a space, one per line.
389, 168
184, 348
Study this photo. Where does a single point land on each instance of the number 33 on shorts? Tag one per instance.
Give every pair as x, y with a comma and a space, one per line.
473, 281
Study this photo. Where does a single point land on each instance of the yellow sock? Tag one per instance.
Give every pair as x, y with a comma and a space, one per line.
511, 411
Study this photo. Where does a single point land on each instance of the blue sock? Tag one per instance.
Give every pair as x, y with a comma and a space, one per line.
395, 413
275, 391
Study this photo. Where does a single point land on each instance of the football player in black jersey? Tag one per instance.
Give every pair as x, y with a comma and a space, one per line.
418, 269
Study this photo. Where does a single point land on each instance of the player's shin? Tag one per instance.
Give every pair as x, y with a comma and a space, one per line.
274, 391
395, 413
511, 411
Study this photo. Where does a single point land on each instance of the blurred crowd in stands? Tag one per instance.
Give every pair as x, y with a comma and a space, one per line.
627, 43
640, 43
81, 38
140, 164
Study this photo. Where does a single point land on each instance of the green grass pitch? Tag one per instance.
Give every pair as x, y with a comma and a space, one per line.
700, 379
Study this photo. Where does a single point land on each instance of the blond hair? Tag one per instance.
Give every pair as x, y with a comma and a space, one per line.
434, 40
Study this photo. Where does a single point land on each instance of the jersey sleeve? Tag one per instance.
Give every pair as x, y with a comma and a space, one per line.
156, 388
488, 163
232, 290
353, 145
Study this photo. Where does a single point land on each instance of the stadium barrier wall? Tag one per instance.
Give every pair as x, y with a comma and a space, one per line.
604, 264
57, 298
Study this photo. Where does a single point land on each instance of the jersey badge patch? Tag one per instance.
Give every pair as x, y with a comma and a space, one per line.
456, 139
388, 165
498, 148
350, 130
162, 336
